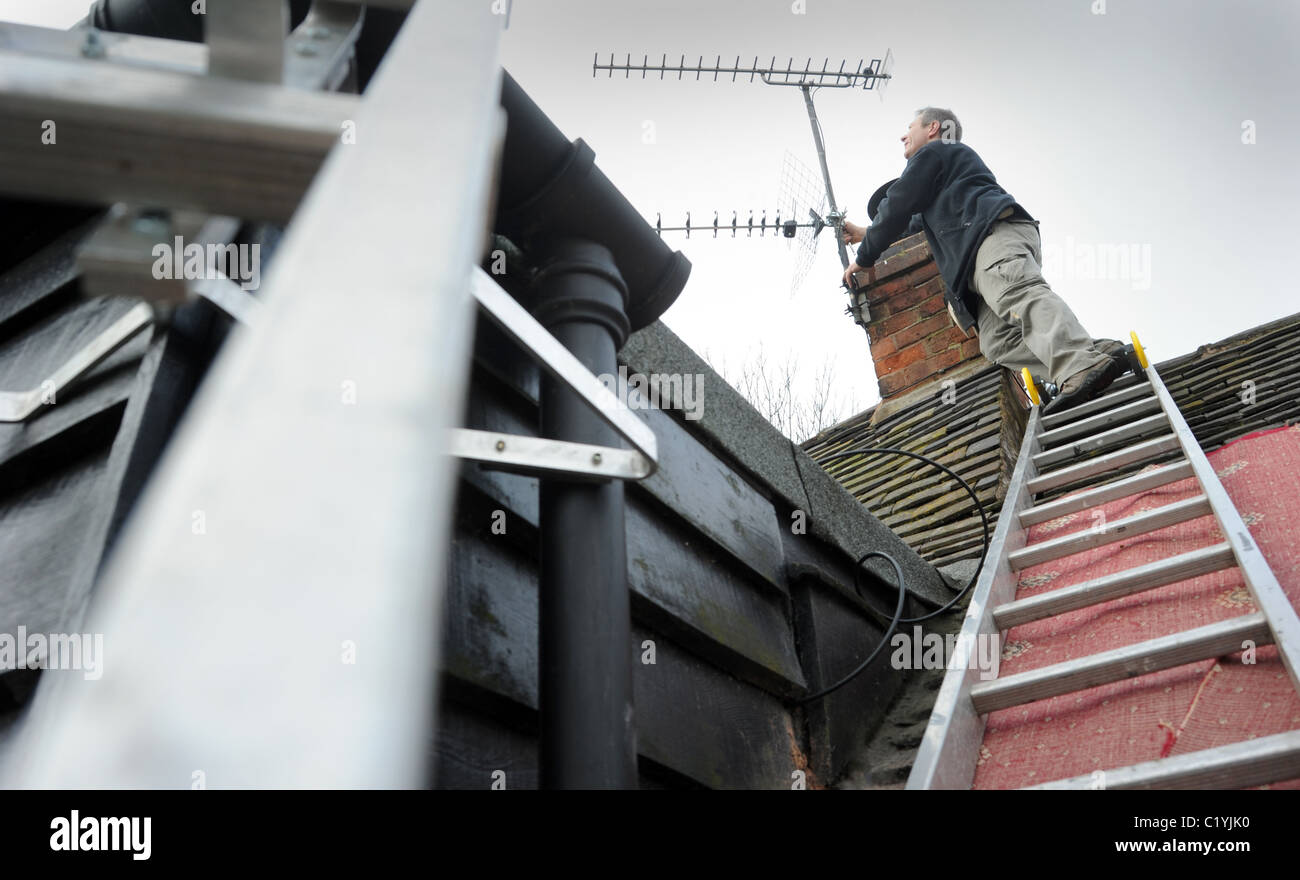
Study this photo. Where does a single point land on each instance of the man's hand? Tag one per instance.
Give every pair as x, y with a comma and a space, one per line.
853, 269
853, 233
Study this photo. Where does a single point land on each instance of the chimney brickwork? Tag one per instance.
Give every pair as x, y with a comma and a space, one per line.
912, 335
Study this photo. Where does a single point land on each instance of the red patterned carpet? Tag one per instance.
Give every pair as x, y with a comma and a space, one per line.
1197, 706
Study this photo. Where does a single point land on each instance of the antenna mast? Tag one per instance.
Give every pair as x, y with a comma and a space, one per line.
875, 75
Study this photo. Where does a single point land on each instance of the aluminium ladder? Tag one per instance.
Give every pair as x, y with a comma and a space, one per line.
262, 124
1136, 420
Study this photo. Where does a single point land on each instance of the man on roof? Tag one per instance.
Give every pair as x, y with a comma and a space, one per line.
988, 250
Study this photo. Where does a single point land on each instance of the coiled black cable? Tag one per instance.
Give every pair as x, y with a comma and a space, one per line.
902, 587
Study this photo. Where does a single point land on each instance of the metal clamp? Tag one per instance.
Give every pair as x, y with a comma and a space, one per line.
539, 454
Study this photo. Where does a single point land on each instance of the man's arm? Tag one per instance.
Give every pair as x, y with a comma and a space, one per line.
854, 233
912, 194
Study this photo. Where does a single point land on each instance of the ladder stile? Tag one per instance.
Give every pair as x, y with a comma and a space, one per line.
951, 742
1260, 580
268, 413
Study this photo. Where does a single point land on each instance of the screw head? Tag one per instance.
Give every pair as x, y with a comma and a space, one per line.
595, 458
501, 446
93, 47
152, 223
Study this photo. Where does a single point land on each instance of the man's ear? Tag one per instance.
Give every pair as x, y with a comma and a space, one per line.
933, 130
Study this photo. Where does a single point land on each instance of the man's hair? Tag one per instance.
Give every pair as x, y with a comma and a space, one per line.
949, 127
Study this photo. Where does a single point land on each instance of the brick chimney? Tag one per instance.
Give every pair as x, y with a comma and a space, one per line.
914, 340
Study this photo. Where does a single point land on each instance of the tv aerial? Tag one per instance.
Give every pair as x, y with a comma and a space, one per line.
872, 76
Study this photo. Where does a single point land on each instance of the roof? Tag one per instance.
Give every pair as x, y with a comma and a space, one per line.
975, 425
1235, 389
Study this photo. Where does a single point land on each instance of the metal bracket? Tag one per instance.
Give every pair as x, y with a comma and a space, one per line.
538, 454
246, 39
118, 259
113, 264
321, 49
18, 406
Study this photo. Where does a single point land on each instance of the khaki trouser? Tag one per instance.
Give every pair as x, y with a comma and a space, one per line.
1022, 322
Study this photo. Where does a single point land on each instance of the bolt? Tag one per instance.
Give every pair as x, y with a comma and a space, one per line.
93, 47
152, 223
595, 458
501, 446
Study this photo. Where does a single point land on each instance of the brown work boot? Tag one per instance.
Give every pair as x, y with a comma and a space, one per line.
1085, 385
1112, 347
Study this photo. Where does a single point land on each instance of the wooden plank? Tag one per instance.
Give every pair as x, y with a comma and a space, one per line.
475, 752
834, 638
680, 586
45, 273
39, 526
692, 717
707, 725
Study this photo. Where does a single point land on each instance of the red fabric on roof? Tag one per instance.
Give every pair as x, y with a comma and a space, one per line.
1197, 706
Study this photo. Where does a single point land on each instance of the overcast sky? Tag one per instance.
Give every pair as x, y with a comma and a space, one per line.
1123, 128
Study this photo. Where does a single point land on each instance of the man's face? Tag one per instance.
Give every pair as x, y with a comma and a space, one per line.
918, 135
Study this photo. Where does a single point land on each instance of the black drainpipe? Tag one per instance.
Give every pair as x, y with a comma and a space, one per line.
585, 676
604, 273
552, 194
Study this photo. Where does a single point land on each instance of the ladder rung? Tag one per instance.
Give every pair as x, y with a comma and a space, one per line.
1159, 421
1111, 461
1130, 485
1239, 765
1120, 415
1166, 652
165, 139
1110, 399
1109, 532
1128, 380
1113, 586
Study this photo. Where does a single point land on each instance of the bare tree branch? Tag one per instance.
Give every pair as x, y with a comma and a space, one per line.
774, 390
